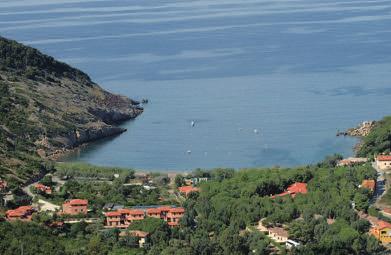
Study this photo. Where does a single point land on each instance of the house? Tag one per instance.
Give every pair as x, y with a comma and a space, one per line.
43, 188
352, 161
382, 231
154, 213
174, 215
294, 189
369, 184
141, 235
278, 234
23, 213
3, 184
186, 190
75, 207
383, 162
124, 217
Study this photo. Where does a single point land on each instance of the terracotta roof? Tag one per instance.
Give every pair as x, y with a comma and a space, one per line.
77, 202
368, 184
112, 214
177, 210
298, 187
165, 208
136, 212
188, 189
384, 158
383, 224
172, 223
20, 211
154, 210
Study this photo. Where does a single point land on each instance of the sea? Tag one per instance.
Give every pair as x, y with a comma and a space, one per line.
230, 83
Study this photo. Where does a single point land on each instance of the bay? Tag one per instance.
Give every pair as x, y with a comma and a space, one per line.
266, 82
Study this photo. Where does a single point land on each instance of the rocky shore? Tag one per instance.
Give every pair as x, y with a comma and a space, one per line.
361, 130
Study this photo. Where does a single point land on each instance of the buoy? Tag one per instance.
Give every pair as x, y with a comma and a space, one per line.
189, 152
192, 123
256, 131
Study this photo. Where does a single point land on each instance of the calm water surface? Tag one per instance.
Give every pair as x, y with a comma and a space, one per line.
294, 70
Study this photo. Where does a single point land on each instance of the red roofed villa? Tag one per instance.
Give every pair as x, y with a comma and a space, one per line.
294, 189
43, 188
124, 217
383, 162
75, 207
186, 190
23, 213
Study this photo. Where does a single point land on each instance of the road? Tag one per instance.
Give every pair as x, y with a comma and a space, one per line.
381, 187
42, 204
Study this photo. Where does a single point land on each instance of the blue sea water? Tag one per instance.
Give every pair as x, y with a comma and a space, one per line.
294, 70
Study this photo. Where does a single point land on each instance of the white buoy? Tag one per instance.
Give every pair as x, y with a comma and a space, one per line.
192, 123
189, 152
256, 131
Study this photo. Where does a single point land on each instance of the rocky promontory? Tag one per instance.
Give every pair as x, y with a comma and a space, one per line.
48, 107
361, 130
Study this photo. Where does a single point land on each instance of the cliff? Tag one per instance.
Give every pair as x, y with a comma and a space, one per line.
47, 106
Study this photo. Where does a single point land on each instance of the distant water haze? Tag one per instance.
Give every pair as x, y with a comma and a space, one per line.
266, 82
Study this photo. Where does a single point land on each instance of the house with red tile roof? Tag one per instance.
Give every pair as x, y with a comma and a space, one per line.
383, 162
382, 231
369, 184
75, 207
186, 190
174, 216
294, 189
43, 188
124, 217
23, 213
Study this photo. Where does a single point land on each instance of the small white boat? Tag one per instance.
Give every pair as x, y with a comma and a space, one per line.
189, 152
192, 123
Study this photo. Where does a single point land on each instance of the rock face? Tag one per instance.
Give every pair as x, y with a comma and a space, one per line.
49, 106
361, 130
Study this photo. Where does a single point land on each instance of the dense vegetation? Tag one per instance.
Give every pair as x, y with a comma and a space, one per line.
221, 219
32, 64
378, 140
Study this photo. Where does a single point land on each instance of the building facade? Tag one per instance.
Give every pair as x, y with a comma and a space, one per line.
382, 231
124, 217
75, 207
383, 162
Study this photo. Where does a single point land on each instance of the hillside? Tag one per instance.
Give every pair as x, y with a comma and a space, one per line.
378, 140
47, 107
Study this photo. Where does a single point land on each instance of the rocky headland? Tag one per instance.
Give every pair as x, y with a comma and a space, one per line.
362, 130
48, 107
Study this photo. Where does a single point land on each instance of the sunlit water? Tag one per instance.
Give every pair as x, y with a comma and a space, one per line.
267, 82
